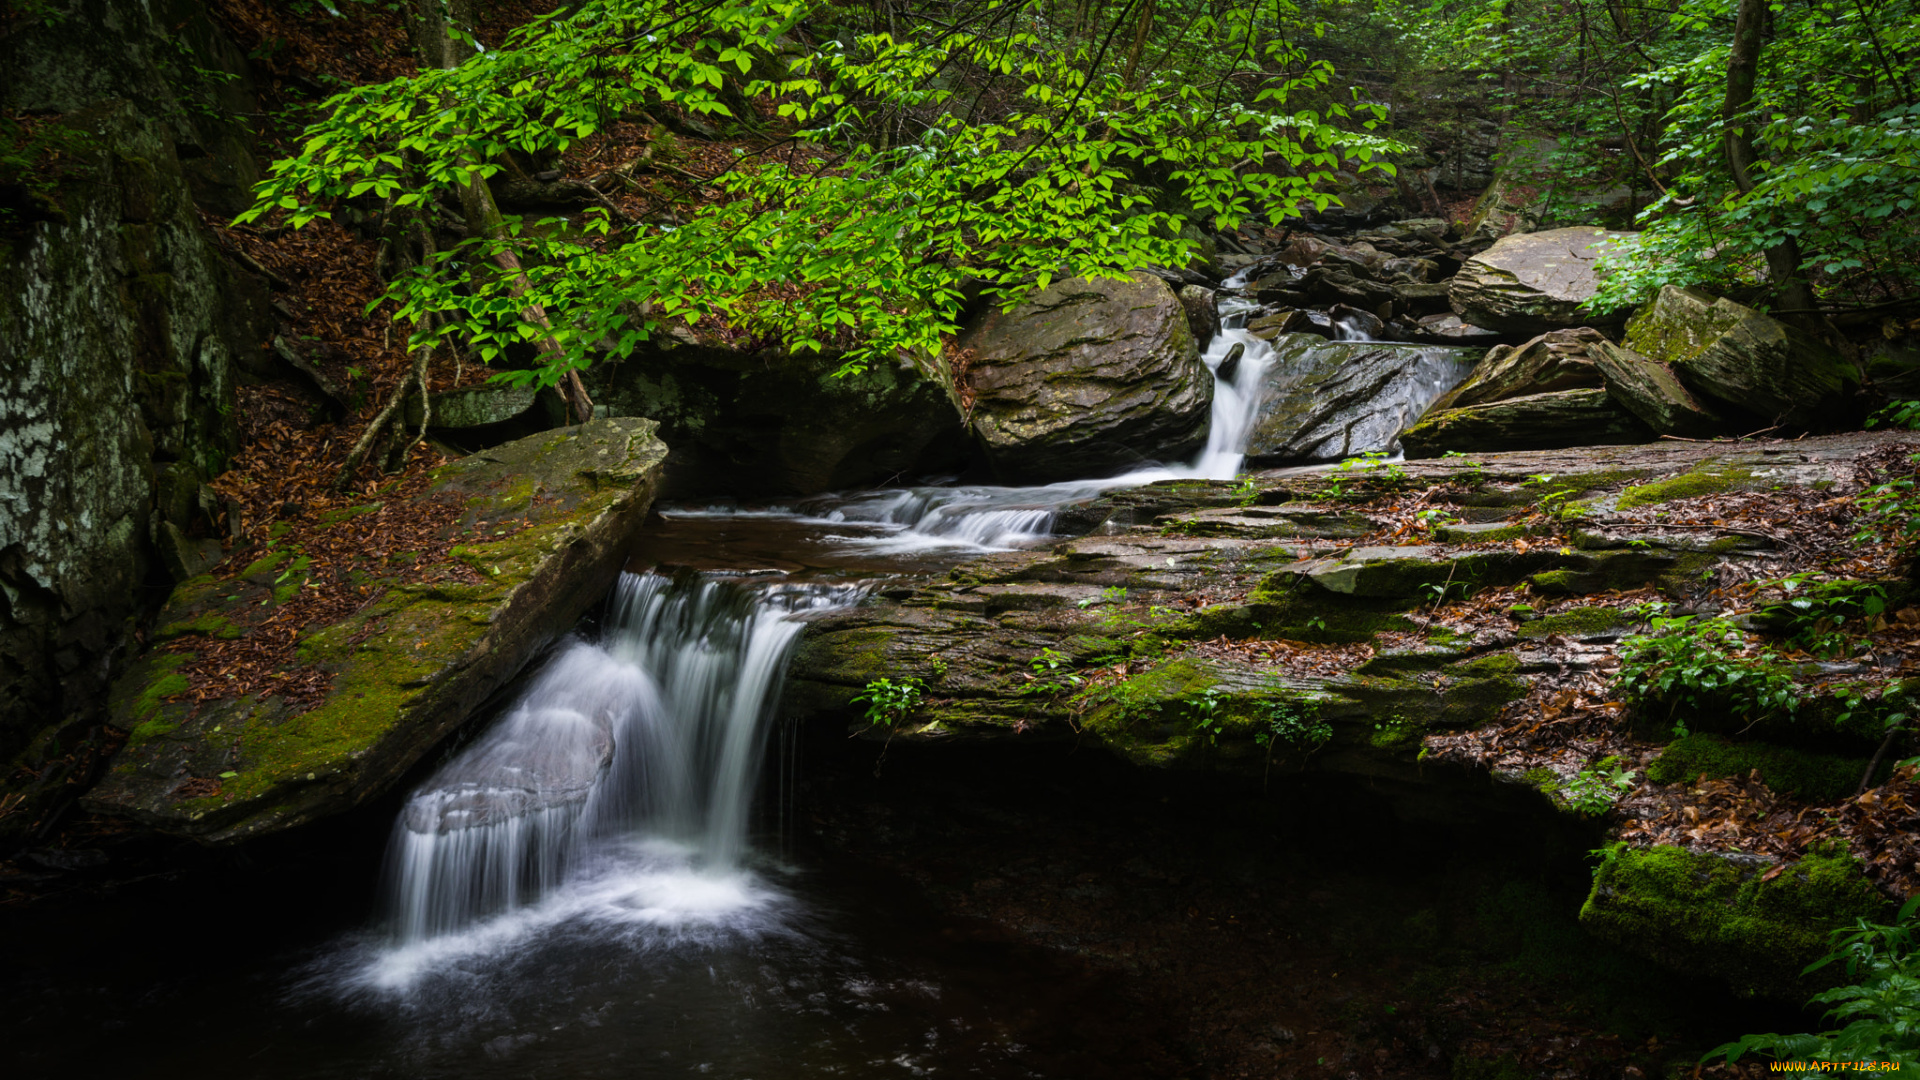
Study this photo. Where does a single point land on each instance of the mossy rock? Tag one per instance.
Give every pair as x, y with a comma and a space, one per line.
1581, 622
1811, 776
406, 669
1704, 480
1715, 915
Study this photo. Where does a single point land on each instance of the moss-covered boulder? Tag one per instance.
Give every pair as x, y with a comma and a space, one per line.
1534, 282
1649, 390
545, 527
1762, 367
1730, 917
1550, 421
1325, 400
1085, 378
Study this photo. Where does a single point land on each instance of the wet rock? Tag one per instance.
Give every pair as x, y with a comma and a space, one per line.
1203, 314
750, 423
1291, 321
473, 407
1449, 330
1536, 282
1354, 324
1085, 378
1536, 422
1328, 400
1649, 390
405, 670
1730, 353
1556, 360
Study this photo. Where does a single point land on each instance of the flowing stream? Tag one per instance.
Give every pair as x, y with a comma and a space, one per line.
584, 889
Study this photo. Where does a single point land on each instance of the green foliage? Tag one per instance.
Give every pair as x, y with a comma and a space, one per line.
1900, 414
889, 702
1816, 611
1881, 1007
1890, 512
1052, 673
1208, 710
903, 181
1112, 594
1697, 664
1838, 132
1290, 722
1596, 788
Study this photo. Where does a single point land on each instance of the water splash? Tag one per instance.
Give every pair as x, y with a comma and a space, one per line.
656, 730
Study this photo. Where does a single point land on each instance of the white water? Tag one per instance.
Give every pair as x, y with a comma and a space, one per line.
616, 789
616, 792
981, 518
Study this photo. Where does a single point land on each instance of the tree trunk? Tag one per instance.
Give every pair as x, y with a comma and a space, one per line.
427, 25
1743, 65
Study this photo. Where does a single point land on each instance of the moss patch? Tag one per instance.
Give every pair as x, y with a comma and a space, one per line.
1704, 913
1705, 480
1579, 622
1811, 776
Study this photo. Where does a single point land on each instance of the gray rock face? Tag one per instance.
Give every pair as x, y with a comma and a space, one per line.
1556, 360
1087, 377
120, 325
1771, 371
1534, 282
1537, 422
1203, 314
749, 423
405, 669
1649, 390
1327, 400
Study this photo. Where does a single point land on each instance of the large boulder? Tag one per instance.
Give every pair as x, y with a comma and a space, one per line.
1087, 377
1537, 422
1323, 400
1534, 282
1649, 390
1763, 367
1556, 360
549, 520
747, 422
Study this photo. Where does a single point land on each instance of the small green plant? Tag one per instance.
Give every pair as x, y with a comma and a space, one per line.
1594, 790
1472, 474
1434, 518
937, 665
1112, 594
1699, 665
1890, 512
889, 702
1390, 474
1881, 1007
1290, 722
1559, 506
1052, 673
1817, 610
1209, 711
1246, 492
1538, 480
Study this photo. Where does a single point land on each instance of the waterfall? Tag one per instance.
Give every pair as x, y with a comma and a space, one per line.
657, 729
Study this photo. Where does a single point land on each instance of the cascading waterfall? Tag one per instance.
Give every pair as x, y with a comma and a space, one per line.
991, 518
656, 729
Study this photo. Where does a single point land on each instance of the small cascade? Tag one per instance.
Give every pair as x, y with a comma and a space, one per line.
981, 517
657, 730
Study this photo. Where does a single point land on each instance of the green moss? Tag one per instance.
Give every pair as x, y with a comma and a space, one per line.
1578, 622
347, 513
1559, 582
1707, 914
1812, 776
1703, 480
266, 564
1396, 732
211, 624
164, 682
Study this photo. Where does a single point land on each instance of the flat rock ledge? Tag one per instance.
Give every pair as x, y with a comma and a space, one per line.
552, 516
